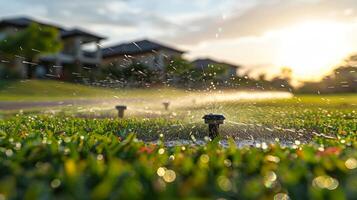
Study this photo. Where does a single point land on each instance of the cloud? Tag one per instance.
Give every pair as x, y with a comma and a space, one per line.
231, 30
86, 12
263, 17
155, 14
182, 21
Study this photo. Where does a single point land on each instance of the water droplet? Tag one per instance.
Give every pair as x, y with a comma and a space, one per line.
351, 163
169, 176
9, 152
269, 179
325, 182
55, 183
100, 157
161, 151
271, 158
224, 183
204, 158
227, 163
281, 196
161, 171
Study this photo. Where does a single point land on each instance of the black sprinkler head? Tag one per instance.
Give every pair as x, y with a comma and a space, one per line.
213, 121
121, 110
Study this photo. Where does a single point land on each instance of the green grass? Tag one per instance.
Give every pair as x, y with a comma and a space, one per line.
47, 90
61, 156
343, 100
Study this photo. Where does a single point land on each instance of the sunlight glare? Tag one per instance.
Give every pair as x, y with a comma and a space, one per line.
311, 49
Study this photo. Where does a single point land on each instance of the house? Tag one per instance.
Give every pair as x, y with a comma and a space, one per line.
152, 54
80, 49
203, 64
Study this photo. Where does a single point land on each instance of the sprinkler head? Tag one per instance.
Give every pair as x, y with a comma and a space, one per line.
166, 105
121, 110
213, 121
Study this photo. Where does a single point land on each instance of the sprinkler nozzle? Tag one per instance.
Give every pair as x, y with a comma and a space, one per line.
166, 105
213, 121
121, 110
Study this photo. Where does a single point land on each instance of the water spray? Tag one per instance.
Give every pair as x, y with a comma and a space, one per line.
213, 121
166, 105
121, 110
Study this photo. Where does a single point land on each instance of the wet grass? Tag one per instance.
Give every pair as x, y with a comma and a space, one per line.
64, 156
47, 90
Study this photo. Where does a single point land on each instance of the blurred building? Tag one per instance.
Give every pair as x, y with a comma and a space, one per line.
80, 49
82, 52
229, 70
149, 53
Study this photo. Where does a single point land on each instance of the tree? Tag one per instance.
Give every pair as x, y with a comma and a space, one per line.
286, 73
179, 66
138, 74
283, 80
345, 78
181, 71
216, 71
30, 43
262, 77
342, 79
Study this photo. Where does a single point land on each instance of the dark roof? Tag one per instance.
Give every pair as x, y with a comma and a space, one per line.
79, 32
205, 62
136, 47
23, 22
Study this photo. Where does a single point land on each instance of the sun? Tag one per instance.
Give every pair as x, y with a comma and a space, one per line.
312, 49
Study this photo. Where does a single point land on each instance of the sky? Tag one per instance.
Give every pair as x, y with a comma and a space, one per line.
309, 36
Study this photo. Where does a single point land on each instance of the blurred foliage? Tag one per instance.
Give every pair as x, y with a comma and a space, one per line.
9, 73
343, 79
136, 75
62, 157
30, 43
181, 73
68, 158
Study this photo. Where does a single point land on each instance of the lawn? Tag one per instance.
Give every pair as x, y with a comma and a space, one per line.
47, 90
305, 148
